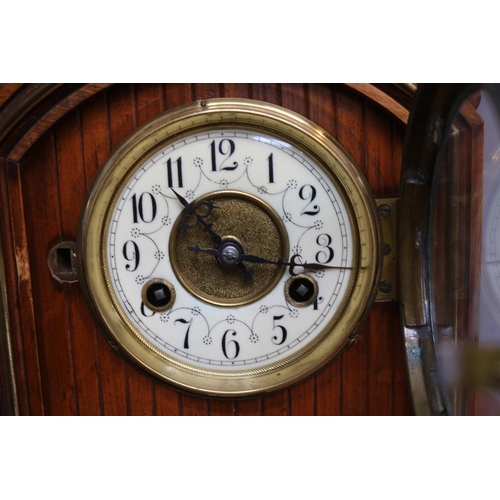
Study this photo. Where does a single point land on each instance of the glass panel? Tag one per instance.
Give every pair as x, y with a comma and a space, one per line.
464, 257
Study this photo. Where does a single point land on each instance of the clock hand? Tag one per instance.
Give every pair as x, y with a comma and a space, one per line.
200, 219
260, 260
292, 264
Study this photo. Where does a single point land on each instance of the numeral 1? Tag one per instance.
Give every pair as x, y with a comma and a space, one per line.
170, 173
271, 168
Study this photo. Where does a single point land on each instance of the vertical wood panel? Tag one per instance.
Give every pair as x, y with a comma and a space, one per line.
268, 93
176, 95
276, 404
249, 407
96, 147
72, 188
150, 101
44, 227
379, 165
19, 289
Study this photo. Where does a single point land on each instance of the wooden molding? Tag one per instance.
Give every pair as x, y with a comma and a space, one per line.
34, 110
382, 99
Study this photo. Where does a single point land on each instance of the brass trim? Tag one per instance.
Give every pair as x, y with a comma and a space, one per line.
389, 286
292, 301
151, 306
281, 123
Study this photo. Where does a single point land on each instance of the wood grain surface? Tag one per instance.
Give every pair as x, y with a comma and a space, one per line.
64, 366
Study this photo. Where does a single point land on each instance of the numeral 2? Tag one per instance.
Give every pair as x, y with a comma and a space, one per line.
308, 193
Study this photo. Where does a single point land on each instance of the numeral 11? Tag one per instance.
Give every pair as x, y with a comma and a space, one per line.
170, 173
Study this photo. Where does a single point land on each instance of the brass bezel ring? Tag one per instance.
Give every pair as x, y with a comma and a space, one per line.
278, 122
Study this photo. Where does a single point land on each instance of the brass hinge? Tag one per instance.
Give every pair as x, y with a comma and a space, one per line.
388, 213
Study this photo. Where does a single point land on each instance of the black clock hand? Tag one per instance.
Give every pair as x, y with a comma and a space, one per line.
292, 264
200, 219
260, 260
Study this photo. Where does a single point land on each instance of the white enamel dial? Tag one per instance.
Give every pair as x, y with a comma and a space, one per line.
230, 248
204, 165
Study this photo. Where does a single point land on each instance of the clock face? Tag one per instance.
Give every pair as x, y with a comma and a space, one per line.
235, 248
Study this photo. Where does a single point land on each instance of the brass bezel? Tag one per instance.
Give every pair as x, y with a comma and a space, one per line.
281, 123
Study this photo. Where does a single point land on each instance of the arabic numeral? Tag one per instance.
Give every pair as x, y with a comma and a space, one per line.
226, 148
185, 322
318, 301
230, 345
144, 210
144, 313
308, 193
131, 254
170, 173
275, 339
324, 256
270, 165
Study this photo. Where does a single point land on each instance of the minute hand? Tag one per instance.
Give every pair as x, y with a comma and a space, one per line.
292, 264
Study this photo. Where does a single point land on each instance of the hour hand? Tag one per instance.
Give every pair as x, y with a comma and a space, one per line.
200, 219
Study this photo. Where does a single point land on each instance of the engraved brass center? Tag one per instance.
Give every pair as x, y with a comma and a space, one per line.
243, 218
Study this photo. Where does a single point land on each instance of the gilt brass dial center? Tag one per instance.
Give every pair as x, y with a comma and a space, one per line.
254, 227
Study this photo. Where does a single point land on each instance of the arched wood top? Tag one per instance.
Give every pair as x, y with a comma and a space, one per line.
33, 108
29, 110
